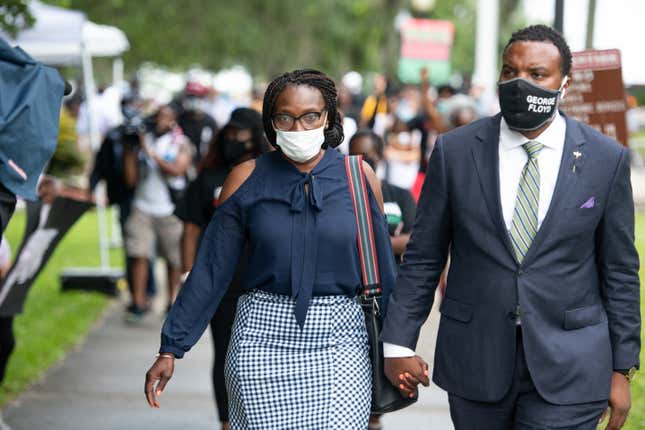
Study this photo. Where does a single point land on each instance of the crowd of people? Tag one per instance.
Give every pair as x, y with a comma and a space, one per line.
165, 169
256, 195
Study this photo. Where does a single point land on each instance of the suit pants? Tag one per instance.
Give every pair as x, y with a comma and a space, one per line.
522, 408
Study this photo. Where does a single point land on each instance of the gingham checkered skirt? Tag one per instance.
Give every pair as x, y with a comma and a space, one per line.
279, 376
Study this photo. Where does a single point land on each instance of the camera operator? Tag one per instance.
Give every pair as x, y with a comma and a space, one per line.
109, 166
156, 168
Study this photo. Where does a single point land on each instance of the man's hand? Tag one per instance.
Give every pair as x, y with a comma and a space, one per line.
159, 374
619, 401
406, 373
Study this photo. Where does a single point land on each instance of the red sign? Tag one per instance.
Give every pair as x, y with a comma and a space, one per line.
425, 43
596, 95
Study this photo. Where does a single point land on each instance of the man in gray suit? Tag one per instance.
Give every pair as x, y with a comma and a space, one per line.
540, 324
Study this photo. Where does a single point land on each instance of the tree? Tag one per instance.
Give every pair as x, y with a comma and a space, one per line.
271, 36
15, 16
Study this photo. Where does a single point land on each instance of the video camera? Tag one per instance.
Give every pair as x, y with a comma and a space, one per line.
133, 125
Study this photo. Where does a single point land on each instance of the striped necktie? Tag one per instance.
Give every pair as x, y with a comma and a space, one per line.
525, 216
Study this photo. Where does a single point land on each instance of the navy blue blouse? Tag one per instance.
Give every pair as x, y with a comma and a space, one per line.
301, 243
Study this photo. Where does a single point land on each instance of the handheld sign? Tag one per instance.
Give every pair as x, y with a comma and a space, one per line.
425, 43
46, 226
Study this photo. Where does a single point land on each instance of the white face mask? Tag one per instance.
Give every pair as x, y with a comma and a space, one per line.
301, 146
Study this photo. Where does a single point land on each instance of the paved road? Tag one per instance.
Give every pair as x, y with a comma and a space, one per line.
99, 386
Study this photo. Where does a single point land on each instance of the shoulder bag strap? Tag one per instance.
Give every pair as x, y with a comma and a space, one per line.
365, 237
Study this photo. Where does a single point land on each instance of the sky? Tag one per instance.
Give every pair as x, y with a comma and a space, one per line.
619, 24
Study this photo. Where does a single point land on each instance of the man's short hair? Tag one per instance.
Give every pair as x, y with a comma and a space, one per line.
544, 33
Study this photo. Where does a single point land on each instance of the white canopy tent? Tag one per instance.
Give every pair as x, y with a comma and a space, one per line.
63, 37
56, 36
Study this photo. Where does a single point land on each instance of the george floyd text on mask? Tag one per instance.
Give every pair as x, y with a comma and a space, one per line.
526, 106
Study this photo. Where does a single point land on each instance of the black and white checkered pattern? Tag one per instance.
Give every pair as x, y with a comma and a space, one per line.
281, 377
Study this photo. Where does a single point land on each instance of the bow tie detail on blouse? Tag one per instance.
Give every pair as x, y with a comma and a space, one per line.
299, 194
305, 203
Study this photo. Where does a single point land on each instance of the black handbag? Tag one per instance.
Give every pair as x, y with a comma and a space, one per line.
385, 397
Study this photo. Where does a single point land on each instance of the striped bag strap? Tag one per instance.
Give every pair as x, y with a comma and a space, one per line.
365, 237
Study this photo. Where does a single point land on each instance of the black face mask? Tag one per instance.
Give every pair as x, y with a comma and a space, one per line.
526, 106
232, 150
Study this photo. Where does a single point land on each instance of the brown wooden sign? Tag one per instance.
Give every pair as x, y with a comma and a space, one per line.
596, 95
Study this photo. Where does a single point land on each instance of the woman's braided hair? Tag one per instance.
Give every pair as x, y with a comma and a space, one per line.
312, 78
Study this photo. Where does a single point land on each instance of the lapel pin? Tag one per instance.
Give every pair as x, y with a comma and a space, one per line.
577, 155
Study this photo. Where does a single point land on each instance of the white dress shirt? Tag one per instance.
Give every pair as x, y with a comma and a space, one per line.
512, 158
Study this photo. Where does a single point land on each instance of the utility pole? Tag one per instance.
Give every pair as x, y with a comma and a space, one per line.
558, 22
591, 24
485, 73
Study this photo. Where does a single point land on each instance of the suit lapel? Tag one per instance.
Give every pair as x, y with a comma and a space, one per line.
567, 179
486, 156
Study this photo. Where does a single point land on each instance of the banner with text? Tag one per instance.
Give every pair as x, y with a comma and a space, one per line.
425, 43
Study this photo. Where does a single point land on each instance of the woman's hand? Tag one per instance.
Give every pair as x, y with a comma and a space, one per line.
406, 373
159, 374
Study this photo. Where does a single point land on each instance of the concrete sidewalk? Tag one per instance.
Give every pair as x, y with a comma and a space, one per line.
99, 386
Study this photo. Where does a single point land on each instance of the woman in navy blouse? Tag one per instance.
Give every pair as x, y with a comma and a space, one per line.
298, 356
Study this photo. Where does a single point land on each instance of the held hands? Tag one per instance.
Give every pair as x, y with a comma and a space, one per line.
160, 373
619, 402
406, 373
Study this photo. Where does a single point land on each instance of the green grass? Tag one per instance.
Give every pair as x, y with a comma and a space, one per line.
637, 415
53, 321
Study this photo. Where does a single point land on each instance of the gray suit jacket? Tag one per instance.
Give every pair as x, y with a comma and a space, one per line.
577, 288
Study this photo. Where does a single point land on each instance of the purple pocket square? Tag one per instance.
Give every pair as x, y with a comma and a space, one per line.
589, 203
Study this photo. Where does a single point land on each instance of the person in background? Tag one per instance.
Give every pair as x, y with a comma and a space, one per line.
403, 154
220, 105
68, 161
298, 356
631, 115
157, 169
195, 122
462, 115
257, 94
345, 105
375, 108
109, 165
398, 203
429, 123
240, 140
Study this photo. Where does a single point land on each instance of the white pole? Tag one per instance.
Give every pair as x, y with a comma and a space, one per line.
116, 240
90, 96
117, 71
485, 74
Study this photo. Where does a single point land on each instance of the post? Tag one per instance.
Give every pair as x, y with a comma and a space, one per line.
558, 22
90, 97
117, 71
485, 73
591, 24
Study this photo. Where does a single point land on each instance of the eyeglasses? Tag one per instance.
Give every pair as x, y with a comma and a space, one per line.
309, 120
